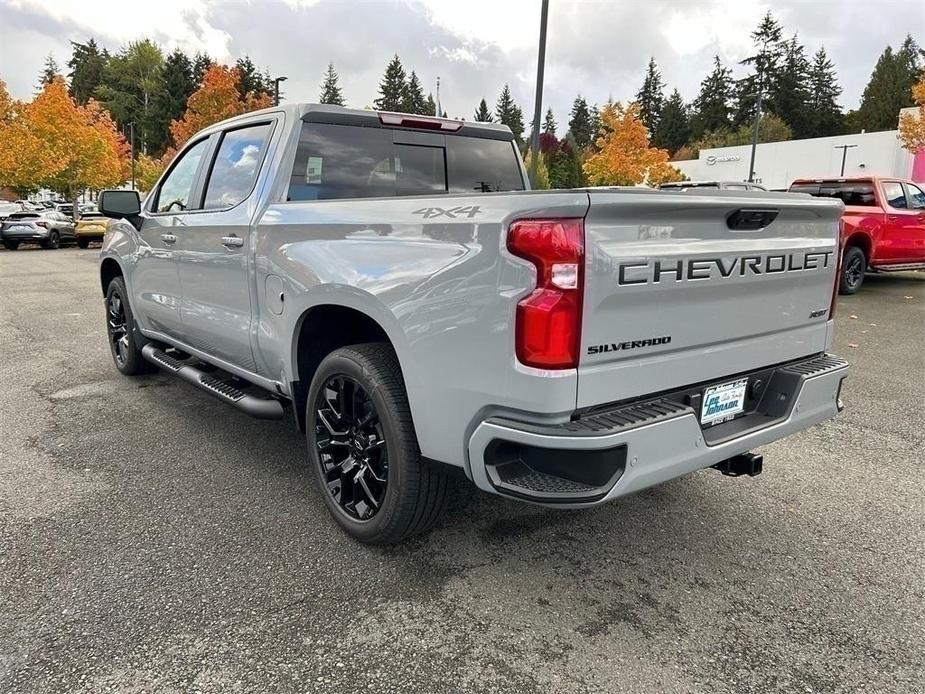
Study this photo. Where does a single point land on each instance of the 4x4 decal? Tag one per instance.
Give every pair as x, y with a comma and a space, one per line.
453, 212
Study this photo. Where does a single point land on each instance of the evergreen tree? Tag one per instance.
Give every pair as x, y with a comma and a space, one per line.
549, 123
87, 63
330, 91
509, 113
482, 114
49, 72
790, 95
414, 101
201, 63
251, 80
650, 97
711, 107
889, 88
431, 105
824, 116
766, 64
169, 103
674, 129
580, 125
130, 82
595, 126
392, 88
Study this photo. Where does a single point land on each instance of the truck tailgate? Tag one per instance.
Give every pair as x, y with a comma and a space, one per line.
686, 288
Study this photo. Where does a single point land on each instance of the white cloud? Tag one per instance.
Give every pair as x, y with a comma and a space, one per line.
598, 48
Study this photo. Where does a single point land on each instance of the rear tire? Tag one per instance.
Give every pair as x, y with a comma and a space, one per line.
363, 448
53, 242
11, 245
854, 265
120, 329
83, 243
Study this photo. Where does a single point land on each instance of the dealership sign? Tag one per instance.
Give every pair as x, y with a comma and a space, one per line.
713, 159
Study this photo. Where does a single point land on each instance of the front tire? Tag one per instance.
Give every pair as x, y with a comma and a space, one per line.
854, 265
363, 448
120, 329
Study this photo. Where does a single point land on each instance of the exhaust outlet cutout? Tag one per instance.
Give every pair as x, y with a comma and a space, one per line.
744, 464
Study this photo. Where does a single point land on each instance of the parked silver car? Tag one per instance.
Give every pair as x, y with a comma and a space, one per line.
50, 229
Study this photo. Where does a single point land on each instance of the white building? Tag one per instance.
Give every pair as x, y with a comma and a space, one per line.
778, 164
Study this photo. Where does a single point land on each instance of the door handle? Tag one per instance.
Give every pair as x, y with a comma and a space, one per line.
169, 239
232, 241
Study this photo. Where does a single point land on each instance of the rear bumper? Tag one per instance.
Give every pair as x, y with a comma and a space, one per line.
613, 452
25, 236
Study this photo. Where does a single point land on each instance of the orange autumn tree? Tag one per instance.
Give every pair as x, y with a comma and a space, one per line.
623, 156
60, 145
912, 125
24, 160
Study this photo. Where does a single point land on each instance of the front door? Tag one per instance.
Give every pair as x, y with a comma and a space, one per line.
155, 282
213, 249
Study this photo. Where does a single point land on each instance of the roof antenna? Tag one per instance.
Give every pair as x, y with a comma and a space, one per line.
439, 112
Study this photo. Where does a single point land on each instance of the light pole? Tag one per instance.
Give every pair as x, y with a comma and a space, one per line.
538, 107
751, 163
844, 155
276, 82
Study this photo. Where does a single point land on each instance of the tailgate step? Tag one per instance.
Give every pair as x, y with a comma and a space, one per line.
260, 408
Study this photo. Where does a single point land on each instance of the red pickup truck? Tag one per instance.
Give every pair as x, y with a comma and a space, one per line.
883, 227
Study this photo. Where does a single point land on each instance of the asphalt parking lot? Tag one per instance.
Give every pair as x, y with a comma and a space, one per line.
154, 540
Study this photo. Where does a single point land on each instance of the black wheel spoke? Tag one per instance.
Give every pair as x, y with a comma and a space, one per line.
117, 327
352, 450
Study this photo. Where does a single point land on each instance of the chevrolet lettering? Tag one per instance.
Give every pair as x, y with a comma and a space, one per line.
681, 270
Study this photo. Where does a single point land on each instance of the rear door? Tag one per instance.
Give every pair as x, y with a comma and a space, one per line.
213, 247
902, 227
684, 289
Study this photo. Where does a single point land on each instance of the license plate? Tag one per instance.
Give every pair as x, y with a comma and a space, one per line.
19, 228
723, 402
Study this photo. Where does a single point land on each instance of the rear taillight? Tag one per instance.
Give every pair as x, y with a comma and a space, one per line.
548, 323
44, 225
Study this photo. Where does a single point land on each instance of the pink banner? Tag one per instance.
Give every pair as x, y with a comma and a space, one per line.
918, 167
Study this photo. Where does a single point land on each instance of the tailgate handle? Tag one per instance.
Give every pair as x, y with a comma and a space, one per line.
751, 219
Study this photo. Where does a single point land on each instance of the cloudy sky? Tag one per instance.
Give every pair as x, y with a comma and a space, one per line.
596, 47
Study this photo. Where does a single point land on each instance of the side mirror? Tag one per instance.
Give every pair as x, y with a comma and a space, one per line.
119, 204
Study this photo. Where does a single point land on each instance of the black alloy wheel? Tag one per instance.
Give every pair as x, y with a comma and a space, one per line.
854, 265
117, 328
352, 449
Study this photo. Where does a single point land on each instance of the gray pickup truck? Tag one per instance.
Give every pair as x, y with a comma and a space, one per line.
392, 281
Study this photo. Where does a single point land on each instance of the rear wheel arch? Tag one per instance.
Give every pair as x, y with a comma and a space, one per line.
862, 241
319, 331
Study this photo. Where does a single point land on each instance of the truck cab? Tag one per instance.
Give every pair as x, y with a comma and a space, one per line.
883, 225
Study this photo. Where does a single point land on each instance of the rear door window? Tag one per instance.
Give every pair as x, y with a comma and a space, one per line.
894, 195
236, 165
340, 162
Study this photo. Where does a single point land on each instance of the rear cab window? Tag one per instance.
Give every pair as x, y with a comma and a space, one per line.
857, 193
347, 161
